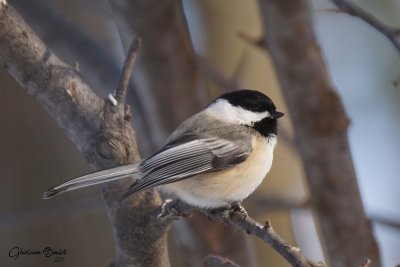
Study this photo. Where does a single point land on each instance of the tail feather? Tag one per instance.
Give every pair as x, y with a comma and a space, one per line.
92, 179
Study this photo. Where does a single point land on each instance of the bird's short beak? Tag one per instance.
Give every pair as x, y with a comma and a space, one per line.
276, 115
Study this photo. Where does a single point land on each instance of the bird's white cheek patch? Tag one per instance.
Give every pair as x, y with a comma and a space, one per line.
223, 110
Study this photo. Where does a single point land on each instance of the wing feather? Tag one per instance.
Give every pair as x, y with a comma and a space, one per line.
188, 156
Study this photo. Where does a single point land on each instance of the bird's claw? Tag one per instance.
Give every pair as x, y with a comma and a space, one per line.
237, 207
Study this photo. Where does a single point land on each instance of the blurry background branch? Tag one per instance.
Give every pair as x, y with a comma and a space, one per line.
352, 9
386, 221
320, 125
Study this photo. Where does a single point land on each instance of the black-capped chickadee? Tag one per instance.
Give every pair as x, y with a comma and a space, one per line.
214, 158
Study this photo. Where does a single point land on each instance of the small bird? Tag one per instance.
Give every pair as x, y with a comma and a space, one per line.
214, 159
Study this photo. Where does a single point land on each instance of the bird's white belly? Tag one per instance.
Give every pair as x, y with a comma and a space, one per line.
217, 189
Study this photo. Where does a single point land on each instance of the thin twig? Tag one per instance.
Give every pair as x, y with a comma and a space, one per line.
354, 10
241, 220
386, 221
127, 71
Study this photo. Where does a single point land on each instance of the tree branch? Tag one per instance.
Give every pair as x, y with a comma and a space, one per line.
267, 234
240, 219
100, 131
352, 9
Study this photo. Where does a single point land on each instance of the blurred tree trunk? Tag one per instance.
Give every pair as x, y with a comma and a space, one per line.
320, 125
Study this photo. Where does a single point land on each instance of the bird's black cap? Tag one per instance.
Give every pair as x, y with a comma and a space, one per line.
256, 101
250, 100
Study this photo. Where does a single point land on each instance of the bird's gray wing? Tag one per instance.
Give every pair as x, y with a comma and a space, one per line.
187, 156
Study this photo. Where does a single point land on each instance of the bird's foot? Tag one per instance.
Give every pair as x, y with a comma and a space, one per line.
215, 211
173, 210
237, 207
234, 207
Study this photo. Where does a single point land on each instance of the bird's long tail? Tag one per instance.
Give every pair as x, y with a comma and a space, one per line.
92, 179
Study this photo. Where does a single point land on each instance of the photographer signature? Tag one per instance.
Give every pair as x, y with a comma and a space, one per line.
57, 254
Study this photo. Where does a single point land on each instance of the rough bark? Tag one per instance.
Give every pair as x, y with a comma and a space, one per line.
320, 124
101, 131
